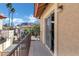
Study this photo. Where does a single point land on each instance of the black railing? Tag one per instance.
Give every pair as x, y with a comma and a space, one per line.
20, 49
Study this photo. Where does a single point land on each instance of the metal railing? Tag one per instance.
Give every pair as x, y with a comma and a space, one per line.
20, 49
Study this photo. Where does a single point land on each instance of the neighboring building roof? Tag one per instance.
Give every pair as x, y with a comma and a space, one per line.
39, 9
2, 17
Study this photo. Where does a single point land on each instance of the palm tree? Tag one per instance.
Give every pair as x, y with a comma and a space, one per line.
12, 11
9, 6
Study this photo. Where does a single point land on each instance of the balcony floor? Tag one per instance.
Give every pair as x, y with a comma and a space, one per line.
36, 49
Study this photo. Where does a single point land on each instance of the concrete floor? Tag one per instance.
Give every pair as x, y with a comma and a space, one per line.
36, 49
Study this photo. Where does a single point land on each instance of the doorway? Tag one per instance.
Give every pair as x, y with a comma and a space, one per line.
50, 32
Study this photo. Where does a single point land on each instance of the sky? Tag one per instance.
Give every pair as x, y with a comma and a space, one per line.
24, 13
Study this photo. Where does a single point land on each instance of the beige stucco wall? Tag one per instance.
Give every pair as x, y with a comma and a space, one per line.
68, 30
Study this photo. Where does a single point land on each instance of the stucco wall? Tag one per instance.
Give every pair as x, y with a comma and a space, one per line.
9, 39
68, 30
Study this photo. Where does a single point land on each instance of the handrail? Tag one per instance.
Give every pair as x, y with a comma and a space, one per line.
10, 53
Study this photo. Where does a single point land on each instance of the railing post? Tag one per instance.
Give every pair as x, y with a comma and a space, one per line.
15, 53
1, 53
19, 51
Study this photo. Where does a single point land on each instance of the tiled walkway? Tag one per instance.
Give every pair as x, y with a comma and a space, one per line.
36, 49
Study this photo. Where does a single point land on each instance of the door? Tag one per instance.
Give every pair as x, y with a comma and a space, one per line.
52, 37
50, 32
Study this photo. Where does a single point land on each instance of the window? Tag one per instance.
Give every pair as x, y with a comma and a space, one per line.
50, 32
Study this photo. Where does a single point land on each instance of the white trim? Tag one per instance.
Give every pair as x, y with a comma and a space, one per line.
52, 21
55, 29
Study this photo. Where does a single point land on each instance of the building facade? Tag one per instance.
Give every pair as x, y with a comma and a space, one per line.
59, 30
1, 21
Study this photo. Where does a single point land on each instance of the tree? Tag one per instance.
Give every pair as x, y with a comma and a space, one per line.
9, 6
12, 10
36, 30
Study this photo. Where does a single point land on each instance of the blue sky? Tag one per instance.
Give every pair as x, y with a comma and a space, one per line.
24, 13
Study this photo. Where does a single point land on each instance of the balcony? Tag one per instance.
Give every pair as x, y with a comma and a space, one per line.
18, 49
27, 45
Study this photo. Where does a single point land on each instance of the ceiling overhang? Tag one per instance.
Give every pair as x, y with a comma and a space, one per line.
39, 9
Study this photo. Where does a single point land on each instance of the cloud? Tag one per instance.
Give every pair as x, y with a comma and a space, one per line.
16, 21
32, 19
28, 19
